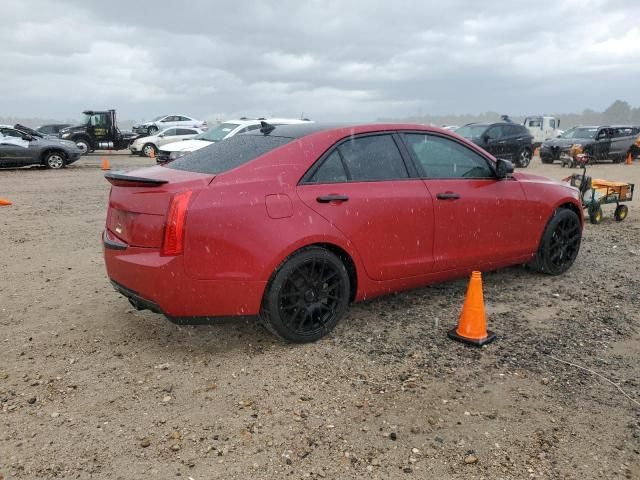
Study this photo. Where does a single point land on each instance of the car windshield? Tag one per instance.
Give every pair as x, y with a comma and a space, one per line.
218, 133
233, 152
471, 131
580, 133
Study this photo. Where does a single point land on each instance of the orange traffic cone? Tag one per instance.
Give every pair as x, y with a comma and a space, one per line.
5, 203
536, 152
153, 153
472, 326
629, 159
105, 164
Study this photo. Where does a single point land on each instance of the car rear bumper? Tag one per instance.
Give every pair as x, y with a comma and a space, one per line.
158, 283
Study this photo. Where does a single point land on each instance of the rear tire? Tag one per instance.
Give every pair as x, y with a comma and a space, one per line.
524, 158
55, 160
151, 130
307, 296
560, 243
621, 213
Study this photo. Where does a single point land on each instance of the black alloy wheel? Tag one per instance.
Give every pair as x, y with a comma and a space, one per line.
560, 243
307, 296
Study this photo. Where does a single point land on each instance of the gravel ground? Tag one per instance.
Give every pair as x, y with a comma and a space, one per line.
90, 388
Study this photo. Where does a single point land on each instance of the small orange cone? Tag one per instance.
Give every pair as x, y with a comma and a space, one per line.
153, 153
629, 159
105, 164
472, 326
5, 203
536, 152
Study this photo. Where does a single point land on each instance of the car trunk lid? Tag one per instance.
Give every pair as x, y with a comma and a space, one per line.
139, 201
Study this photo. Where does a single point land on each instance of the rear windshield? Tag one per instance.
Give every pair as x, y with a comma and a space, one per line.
227, 154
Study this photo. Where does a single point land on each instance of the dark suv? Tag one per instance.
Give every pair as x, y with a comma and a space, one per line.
598, 142
502, 140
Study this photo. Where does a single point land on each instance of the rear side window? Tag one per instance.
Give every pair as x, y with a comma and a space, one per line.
227, 154
371, 158
443, 158
331, 171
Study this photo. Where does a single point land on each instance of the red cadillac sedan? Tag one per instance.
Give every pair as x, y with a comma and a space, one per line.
292, 223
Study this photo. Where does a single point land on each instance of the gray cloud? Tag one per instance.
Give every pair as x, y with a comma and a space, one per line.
356, 60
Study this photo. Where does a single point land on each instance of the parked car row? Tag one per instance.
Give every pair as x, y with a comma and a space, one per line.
598, 142
517, 142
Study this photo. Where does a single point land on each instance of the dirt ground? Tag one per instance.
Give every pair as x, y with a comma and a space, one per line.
90, 388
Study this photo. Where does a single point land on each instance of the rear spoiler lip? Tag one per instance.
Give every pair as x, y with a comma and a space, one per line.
122, 179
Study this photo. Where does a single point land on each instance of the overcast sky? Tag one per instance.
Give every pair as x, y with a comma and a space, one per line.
332, 60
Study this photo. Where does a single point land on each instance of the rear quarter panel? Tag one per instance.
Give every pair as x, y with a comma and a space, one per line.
229, 232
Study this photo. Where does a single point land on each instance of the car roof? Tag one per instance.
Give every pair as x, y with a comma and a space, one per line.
273, 121
308, 128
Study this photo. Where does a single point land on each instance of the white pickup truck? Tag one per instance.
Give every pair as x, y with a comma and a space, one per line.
542, 128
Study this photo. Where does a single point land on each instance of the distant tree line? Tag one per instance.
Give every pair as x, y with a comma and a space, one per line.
619, 112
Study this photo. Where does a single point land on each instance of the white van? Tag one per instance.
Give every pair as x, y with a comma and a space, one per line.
542, 128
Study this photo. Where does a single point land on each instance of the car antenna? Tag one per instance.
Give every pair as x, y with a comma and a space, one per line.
266, 128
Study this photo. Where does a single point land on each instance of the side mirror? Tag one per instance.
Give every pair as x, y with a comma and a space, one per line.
485, 137
26, 137
161, 135
504, 168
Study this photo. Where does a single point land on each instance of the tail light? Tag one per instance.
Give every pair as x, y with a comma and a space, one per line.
174, 229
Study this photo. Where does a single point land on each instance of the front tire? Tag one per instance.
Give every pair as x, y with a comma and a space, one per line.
55, 160
595, 214
149, 150
560, 243
83, 145
307, 296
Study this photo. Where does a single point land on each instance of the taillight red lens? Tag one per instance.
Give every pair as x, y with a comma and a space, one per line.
174, 228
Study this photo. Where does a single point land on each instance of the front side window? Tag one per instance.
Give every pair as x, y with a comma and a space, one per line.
440, 157
552, 124
185, 131
371, 158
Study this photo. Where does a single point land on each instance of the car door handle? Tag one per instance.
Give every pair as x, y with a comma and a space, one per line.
332, 198
447, 196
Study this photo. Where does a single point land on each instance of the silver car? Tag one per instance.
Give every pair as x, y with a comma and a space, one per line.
165, 121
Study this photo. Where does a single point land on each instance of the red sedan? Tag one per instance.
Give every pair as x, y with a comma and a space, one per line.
292, 223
